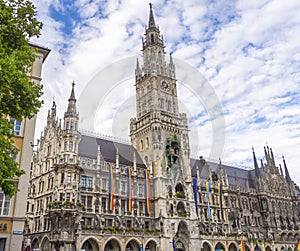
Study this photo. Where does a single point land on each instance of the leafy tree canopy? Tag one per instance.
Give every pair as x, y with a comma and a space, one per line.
19, 97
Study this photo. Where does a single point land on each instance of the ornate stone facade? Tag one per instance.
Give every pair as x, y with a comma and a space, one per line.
93, 193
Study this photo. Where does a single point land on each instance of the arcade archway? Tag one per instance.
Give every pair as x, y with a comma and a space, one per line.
112, 245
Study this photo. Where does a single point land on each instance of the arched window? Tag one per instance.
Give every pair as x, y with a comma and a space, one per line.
142, 145
72, 125
169, 106
151, 38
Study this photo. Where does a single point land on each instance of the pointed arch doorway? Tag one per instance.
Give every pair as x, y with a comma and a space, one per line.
182, 237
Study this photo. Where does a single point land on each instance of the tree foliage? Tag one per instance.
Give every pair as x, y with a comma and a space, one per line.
19, 97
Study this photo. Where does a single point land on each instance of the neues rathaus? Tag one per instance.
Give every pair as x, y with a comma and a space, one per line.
93, 193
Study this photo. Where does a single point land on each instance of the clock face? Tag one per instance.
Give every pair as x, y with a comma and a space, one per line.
165, 85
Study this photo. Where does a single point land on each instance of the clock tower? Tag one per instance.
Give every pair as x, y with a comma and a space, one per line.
159, 132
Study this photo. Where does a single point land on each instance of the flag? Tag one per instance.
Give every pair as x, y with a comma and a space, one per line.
173, 243
242, 245
257, 245
147, 192
226, 245
195, 189
110, 205
298, 245
207, 189
208, 211
220, 192
129, 189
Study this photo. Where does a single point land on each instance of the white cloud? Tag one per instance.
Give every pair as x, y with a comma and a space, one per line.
248, 50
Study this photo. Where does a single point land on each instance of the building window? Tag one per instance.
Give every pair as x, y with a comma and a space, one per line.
161, 103
4, 204
104, 184
72, 126
83, 200
90, 182
169, 106
66, 145
89, 201
83, 163
141, 189
70, 145
17, 126
69, 178
68, 196
122, 187
103, 204
62, 178
83, 181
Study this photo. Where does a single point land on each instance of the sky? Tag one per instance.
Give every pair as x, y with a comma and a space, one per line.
237, 63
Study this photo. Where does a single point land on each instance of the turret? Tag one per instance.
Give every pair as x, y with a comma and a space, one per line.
71, 136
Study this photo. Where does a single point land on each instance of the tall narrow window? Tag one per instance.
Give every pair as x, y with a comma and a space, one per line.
169, 106
83, 181
4, 204
70, 145
62, 178
152, 38
69, 178
90, 182
72, 125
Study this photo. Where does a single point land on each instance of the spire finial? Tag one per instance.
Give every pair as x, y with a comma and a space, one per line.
72, 96
257, 174
72, 100
151, 18
287, 174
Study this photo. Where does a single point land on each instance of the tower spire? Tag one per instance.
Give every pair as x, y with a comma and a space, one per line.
255, 164
287, 174
72, 101
151, 23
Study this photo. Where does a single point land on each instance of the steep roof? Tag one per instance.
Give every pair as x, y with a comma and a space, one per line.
88, 148
234, 174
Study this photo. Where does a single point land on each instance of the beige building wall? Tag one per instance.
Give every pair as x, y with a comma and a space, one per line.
16, 218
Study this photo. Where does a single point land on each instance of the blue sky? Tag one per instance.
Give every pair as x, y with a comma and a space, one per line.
247, 51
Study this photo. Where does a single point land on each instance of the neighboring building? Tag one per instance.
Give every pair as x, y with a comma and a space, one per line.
13, 210
93, 193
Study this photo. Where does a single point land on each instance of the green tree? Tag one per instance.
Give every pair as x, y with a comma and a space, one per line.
19, 97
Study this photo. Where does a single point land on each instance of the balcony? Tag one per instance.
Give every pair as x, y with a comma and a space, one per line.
66, 205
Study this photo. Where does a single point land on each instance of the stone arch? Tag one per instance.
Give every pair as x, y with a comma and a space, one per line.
112, 244
132, 245
268, 248
206, 246
35, 243
232, 247
220, 246
45, 244
90, 244
290, 249
283, 236
180, 208
182, 237
247, 248
179, 191
151, 245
